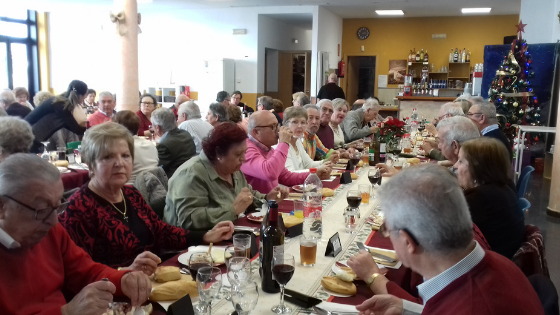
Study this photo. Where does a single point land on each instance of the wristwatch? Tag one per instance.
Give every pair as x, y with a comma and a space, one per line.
372, 278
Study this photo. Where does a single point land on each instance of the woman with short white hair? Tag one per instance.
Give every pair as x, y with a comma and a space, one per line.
15, 136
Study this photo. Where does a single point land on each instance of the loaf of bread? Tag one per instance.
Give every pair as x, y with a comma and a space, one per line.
347, 274
336, 285
327, 192
361, 163
61, 163
290, 220
218, 256
413, 161
173, 290
354, 175
167, 273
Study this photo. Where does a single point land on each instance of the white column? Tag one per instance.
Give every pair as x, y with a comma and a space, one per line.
127, 89
541, 18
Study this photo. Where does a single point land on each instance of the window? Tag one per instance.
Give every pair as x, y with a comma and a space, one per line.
18, 49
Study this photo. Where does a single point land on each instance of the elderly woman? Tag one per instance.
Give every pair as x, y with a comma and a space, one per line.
483, 170
216, 114
356, 124
63, 111
148, 104
340, 107
278, 107
234, 115
295, 118
40, 97
22, 97
15, 136
111, 221
210, 188
145, 152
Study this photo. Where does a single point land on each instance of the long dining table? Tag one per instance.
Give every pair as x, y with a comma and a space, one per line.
307, 280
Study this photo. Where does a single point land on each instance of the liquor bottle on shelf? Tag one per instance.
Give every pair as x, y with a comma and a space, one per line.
426, 56
456, 55
422, 54
468, 58
417, 58
409, 55
272, 241
451, 56
463, 56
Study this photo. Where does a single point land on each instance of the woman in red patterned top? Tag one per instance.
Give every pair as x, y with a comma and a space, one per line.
111, 221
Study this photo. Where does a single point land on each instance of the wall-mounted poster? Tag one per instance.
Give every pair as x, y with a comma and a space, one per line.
397, 70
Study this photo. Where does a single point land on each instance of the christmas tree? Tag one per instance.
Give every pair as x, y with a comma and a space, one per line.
511, 89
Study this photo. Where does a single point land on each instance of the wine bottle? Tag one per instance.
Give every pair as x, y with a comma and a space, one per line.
422, 54
456, 56
451, 55
417, 56
469, 56
463, 56
272, 242
426, 56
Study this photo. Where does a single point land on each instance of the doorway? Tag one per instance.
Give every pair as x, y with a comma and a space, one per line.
286, 73
360, 82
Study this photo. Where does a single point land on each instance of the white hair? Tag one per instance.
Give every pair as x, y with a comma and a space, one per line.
7, 97
14, 173
489, 111
371, 103
323, 101
338, 103
452, 109
459, 128
165, 118
427, 202
15, 136
106, 93
190, 108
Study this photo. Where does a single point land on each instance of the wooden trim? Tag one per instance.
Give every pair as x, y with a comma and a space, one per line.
425, 98
44, 52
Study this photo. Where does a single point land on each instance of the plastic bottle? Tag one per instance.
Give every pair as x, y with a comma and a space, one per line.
313, 206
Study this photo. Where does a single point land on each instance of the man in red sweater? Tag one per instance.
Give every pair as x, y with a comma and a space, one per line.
38, 257
429, 224
105, 110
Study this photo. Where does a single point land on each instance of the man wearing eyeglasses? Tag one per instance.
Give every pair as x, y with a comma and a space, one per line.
484, 116
264, 167
435, 239
38, 257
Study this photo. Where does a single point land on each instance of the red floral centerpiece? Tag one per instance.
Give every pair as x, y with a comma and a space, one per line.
391, 130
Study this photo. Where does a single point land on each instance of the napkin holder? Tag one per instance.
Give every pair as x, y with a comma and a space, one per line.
182, 306
254, 245
293, 231
346, 178
334, 246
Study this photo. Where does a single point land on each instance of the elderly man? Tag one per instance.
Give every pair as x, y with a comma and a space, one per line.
15, 136
484, 116
264, 167
38, 257
182, 98
223, 98
330, 91
175, 145
355, 126
300, 99
325, 132
446, 110
452, 132
311, 142
190, 120
13, 108
267, 103
435, 239
105, 109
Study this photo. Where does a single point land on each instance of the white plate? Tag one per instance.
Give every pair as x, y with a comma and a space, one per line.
184, 258
337, 294
298, 188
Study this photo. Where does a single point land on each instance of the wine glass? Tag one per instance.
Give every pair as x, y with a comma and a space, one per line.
283, 270
45, 155
199, 260
238, 271
208, 283
244, 297
374, 176
233, 251
355, 159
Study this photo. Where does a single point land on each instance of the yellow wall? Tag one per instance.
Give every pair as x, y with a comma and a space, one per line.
393, 38
44, 57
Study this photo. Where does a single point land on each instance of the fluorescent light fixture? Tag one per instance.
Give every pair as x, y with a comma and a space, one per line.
476, 10
389, 12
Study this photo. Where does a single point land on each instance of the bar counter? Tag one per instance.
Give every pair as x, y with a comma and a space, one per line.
426, 106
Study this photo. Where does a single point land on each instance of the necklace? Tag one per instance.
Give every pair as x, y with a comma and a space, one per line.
123, 213
334, 129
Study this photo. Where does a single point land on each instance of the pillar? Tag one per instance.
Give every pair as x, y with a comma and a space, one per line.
127, 89
554, 199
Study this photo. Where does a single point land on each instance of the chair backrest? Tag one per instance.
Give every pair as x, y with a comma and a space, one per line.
530, 257
524, 180
523, 204
546, 291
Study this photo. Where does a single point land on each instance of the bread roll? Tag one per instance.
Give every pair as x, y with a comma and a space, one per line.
61, 163
336, 285
167, 273
173, 290
361, 163
354, 175
327, 192
218, 256
413, 161
290, 220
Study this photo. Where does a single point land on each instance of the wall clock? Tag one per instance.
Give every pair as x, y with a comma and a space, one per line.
363, 33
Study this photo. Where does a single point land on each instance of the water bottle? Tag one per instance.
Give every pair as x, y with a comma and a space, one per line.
313, 206
414, 120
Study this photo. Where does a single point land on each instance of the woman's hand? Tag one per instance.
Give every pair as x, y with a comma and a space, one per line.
243, 200
273, 194
221, 231
333, 157
386, 170
431, 129
324, 172
146, 262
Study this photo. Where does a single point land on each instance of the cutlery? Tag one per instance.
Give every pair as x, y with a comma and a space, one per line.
184, 271
374, 254
321, 311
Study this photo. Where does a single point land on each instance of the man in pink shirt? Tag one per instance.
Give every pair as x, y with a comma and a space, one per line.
106, 109
264, 166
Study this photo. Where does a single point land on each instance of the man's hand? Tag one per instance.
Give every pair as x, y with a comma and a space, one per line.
285, 135
273, 194
324, 172
363, 264
383, 304
243, 200
221, 231
373, 129
146, 262
334, 157
386, 170
92, 300
428, 145
137, 286
431, 129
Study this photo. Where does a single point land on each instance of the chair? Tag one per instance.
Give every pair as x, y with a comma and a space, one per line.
530, 257
152, 184
524, 204
546, 292
523, 180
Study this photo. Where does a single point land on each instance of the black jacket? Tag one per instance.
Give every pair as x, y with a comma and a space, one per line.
499, 134
174, 149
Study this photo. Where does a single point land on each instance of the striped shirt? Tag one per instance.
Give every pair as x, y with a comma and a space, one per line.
313, 146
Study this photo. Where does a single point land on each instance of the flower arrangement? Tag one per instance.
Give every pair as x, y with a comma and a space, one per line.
390, 130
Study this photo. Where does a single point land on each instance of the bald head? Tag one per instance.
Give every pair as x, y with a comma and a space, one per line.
332, 78
181, 99
7, 98
263, 127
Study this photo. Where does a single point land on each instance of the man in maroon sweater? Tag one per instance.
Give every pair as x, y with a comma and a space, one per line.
38, 257
429, 224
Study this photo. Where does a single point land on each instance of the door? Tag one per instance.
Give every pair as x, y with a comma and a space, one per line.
352, 79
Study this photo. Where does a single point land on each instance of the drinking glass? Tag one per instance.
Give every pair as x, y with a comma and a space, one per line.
244, 297
374, 176
365, 190
208, 283
61, 153
198, 261
242, 240
352, 212
232, 251
298, 209
45, 155
283, 270
239, 270
355, 159
307, 251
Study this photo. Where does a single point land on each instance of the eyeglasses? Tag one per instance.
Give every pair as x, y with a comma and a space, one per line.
272, 127
42, 214
298, 123
386, 233
472, 114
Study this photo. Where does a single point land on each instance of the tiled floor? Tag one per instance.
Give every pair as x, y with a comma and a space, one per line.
538, 192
